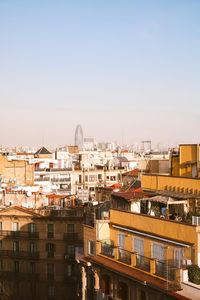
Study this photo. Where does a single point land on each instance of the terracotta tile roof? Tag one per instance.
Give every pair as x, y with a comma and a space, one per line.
131, 194
58, 196
22, 209
132, 173
115, 186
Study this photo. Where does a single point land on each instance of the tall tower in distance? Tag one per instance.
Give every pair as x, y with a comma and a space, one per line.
78, 139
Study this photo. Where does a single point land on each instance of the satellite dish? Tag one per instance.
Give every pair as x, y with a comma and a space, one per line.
28, 193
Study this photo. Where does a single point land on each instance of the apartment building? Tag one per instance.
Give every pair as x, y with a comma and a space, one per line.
183, 184
13, 171
150, 238
37, 255
136, 256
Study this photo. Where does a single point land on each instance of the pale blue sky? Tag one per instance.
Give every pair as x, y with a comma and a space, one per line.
125, 70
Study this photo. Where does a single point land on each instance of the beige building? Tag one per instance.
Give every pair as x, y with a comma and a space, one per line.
16, 171
37, 255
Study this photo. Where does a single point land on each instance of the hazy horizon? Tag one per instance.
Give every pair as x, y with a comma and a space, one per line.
127, 71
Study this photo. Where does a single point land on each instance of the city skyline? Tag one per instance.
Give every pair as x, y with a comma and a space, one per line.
126, 72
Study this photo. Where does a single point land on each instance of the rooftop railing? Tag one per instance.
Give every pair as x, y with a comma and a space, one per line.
53, 169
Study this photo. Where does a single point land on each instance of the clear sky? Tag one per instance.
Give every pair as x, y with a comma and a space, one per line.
125, 70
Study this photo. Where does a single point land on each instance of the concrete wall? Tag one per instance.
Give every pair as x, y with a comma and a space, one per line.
161, 182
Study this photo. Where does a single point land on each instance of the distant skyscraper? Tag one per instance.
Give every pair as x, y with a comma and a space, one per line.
79, 136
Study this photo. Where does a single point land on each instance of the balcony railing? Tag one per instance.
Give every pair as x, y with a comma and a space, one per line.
50, 254
124, 256
165, 270
107, 250
19, 234
53, 169
20, 254
70, 213
143, 262
19, 275
60, 179
42, 179
69, 256
71, 236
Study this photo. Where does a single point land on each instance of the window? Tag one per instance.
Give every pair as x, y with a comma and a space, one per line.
50, 230
16, 246
50, 271
70, 228
15, 226
99, 177
32, 267
1, 244
16, 266
32, 227
1, 265
86, 178
158, 251
178, 256
1, 226
51, 291
69, 270
91, 247
121, 240
138, 246
92, 178
33, 247
70, 249
142, 295
50, 248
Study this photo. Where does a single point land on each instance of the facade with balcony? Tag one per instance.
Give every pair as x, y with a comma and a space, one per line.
37, 252
137, 256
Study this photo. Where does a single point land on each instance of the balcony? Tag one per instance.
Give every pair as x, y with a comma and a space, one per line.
19, 275
19, 254
143, 263
163, 269
50, 254
69, 256
124, 256
42, 179
61, 180
71, 236
19, 234
70, 278
107, 250
53, 170
67, 213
